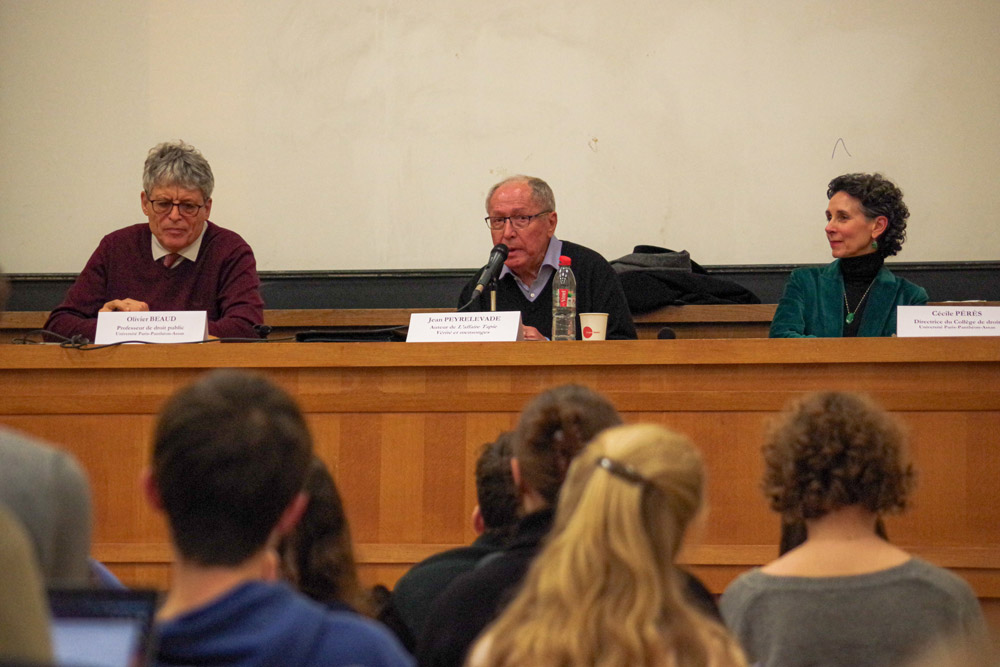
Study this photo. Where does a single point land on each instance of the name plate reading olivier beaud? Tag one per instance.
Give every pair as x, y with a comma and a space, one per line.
168, 326
950, 320
464, 327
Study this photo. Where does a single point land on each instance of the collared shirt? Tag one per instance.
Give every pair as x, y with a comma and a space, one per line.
549, 265
190, 252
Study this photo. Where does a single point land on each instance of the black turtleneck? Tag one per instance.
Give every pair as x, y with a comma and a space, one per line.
859, 274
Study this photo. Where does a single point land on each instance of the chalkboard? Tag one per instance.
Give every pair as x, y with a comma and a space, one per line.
355, 134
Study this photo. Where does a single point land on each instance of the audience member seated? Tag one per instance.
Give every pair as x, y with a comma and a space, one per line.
317, 557
229, 461
521, 214
24, 612
178, 260
604, 590
47, 490
855, 295
493, 519
552, 430
845, 596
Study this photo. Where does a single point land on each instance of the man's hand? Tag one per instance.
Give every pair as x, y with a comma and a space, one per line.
126, 305
531, 333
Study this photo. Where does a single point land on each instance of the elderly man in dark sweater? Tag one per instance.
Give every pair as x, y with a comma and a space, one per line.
179, 260
522, 216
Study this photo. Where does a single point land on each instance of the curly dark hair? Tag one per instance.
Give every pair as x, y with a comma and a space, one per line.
835, 449
878, 196
553, 429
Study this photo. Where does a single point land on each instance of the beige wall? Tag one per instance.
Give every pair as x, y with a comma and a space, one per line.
360, 135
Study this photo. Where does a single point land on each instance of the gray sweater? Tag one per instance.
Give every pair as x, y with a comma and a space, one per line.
47, 491
881, 618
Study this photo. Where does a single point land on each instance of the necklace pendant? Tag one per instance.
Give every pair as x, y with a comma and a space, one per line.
850, 318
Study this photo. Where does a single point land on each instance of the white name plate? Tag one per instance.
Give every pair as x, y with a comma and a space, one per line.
957, 320
168, 326
464, 327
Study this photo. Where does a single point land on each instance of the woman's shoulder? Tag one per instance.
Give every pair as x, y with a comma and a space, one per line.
939, 577
740, 593
815, 272
907, 291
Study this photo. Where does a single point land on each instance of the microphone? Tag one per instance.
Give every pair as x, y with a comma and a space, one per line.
666, 333
492, 269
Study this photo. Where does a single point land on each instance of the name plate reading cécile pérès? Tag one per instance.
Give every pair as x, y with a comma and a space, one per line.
950, 320
464, 327
168, 326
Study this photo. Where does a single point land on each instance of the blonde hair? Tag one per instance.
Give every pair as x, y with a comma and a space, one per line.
604, 590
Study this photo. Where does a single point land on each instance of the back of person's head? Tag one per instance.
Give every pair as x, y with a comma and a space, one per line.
318, 555
831, 450
604, 589
495, 488
180, 164
553, 428
230, 453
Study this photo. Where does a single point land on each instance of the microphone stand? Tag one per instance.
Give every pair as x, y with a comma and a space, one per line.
493, 295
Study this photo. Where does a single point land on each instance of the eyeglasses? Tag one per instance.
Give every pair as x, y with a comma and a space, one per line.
164, 206
516, 221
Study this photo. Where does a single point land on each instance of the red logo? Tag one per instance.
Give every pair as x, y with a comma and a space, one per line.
587, 332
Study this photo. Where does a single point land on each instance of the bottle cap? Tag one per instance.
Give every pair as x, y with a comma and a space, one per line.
564, 260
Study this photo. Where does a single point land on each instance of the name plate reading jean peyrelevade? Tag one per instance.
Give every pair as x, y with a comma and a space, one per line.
464, 327
168, 326
956, 320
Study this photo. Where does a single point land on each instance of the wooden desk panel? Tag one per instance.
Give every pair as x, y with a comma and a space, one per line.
712, 321
694, 321
400, 426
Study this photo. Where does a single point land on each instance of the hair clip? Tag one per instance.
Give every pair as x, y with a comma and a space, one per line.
626, 472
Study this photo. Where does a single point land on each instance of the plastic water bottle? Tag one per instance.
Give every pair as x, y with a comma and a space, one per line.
564, 302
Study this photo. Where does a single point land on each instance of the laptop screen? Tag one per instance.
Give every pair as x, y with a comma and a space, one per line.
102, 628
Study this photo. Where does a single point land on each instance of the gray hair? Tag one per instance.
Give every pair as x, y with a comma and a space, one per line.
180, 164
540, 191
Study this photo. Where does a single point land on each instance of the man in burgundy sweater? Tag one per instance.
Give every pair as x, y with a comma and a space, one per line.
178, 261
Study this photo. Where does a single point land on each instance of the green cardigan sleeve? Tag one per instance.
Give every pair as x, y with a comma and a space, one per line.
790, 316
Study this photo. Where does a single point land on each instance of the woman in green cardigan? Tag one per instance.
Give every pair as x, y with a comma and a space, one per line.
855, 295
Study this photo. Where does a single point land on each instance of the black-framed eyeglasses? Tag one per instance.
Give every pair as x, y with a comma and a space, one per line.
165, 206
496, 223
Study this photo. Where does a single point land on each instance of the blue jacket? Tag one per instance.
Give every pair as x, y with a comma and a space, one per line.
813, 304
259, 624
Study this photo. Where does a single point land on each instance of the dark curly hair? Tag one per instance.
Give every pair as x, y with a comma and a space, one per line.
835, 449
878, 196
553, 429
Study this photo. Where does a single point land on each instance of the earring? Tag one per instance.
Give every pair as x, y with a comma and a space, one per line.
874, 244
